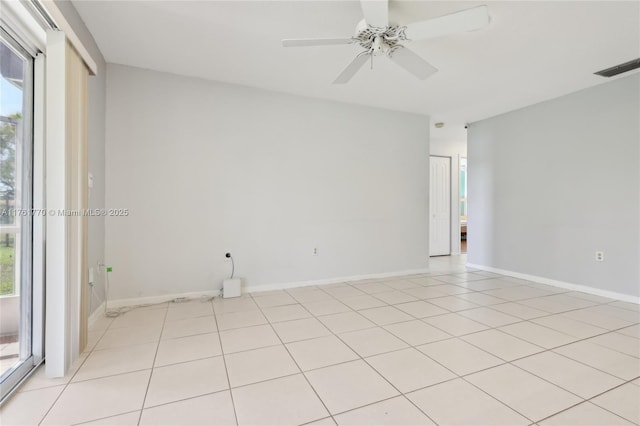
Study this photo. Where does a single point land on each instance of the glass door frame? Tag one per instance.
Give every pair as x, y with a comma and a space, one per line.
31, 334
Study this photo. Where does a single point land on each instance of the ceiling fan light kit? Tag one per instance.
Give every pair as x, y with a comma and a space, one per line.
379, 38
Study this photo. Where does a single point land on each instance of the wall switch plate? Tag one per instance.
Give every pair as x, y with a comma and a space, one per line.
599, 256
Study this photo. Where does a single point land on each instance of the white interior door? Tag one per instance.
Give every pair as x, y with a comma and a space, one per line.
440, 206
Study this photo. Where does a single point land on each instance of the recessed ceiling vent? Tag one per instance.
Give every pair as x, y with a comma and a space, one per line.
619, 69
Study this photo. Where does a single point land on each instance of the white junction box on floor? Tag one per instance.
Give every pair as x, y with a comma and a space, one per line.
231, 287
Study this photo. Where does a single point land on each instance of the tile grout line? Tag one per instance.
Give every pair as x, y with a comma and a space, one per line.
387, 380
66, 385
456, 376
507, 362
554, 384
104, 418
361, 358
155, 356
498, 327
586, 401
226, 370
602, 393
300, 369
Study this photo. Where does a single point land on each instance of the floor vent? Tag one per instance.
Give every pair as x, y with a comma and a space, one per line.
619, 69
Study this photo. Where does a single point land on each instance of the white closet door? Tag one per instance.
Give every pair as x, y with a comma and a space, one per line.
440, 206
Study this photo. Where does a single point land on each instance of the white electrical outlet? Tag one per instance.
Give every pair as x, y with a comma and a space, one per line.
315, 251
599, 256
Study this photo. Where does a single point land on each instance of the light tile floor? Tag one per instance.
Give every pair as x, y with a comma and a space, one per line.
453, 347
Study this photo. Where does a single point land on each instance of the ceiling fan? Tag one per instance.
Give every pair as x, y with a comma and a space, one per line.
377, 36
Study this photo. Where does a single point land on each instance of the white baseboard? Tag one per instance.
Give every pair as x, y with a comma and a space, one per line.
119, 303
561, 284
99, 312
282, 286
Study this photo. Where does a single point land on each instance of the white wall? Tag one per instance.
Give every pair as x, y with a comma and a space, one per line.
552, 183
454, 149
207, 167
96, 143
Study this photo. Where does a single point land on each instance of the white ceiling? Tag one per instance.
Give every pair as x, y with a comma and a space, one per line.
531, 51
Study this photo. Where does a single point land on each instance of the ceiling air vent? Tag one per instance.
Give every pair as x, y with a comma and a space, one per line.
619, 69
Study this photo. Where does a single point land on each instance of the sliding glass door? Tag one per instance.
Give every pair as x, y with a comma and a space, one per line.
16, 212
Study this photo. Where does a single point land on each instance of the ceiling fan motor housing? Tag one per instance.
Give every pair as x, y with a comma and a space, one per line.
378, 41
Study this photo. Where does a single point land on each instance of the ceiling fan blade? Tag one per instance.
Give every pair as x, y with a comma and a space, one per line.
376, 12
352, 68
465, 20
303, 42
413, 63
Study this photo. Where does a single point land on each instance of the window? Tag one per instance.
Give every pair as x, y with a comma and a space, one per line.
16, 216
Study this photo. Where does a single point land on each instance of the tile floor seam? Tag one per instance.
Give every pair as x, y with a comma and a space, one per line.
388, 399
123, 373
182, 337
540, 325
614, 349
389, 382
155, 356
458, 376
608, 316
498, 356
624, 383
248, 350
224, 360
400, 393
571, 359
179, 400
104, 418
301, 371
69, 382
606, 409
115, 348
617, 330
187, 361
411, 315
637, 310
611, 348
244, 385
182, 319
66, 385
584, 363
586, 401
496, 398
547, 380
